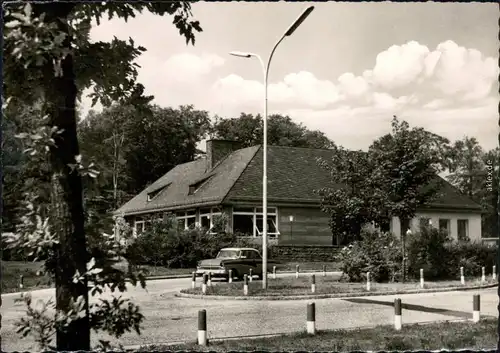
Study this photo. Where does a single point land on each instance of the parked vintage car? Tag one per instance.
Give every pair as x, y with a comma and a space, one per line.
238, 260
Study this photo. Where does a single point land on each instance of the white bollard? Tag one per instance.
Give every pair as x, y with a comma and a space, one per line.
313, 283
274, 272
193, 281
204, 284
202, 327
21, 282
230, 276
494, 273
398, 320
368, 283
250, 276
483, 274
476, 308
297, 271
311, 319
245, 285
421, 278
462, 277
209, 282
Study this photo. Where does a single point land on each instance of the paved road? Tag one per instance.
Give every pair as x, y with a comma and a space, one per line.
171, 319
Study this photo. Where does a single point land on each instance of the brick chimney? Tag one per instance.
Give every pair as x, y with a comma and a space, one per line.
219, 149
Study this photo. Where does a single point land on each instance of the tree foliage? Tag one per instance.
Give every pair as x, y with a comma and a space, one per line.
467, 166
395, 177
49, 60
281, 131
407, 164
347, 203
474, 172
135, 145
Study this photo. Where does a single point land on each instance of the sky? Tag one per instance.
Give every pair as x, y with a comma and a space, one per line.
346, 71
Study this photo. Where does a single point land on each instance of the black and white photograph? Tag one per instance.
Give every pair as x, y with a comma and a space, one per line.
250, 176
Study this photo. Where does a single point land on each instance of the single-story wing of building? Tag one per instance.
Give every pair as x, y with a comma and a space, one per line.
229, 180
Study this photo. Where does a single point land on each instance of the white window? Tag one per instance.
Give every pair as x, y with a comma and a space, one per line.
444, 225
207, 218
424, 222
249, 221
139, 227
186, 219
142, 224
152, 194
463, 229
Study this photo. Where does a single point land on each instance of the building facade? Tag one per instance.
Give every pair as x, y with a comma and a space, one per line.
229, 182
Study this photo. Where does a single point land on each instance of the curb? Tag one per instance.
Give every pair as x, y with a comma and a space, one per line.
333, 295
154, 278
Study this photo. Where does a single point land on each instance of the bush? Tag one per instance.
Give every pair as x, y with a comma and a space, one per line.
163, 245
472, 256
377, 252
427, 249
441, 257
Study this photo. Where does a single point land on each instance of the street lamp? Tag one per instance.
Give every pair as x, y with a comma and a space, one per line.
408, 234
265, 69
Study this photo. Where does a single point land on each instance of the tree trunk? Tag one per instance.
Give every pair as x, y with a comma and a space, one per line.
67, 191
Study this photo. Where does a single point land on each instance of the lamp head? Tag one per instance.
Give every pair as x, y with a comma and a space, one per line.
299, 20
241, 54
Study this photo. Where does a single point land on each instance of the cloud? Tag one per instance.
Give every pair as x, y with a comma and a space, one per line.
407, 74
352, 86
298, 89
433, 89
463, 72
386, 101
400, 65
186, 66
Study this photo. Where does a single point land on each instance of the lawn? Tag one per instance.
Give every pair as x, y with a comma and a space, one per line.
448, 335
12, 270
290, 286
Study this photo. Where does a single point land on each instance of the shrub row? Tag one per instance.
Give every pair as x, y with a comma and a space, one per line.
163, 245
429, 249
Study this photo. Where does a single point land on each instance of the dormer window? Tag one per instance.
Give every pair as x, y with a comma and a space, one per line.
193, 188
152, 194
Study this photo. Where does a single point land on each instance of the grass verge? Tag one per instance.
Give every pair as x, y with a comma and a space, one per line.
310, 266
291, 286
447, 335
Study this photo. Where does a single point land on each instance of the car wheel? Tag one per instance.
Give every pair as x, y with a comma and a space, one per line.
235, 273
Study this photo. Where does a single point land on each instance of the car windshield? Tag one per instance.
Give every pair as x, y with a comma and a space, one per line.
228, 254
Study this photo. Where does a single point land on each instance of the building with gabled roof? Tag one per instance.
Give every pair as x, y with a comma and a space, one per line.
229, 180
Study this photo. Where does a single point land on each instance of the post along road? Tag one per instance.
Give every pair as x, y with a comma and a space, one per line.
170, 319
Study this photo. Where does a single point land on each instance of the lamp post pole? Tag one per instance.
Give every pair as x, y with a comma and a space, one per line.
265, 69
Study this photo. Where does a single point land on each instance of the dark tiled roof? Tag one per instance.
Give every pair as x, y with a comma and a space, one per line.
176, 195
292, 174
293, 177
